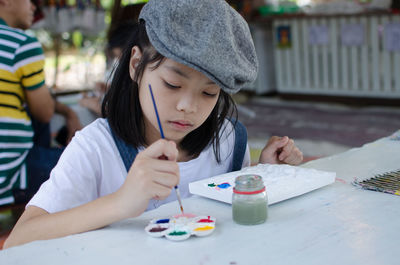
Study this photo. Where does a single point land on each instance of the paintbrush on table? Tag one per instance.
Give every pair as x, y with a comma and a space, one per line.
178, 195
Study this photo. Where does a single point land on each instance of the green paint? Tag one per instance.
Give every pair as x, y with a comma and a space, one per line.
177, 233
212, 185
250, 212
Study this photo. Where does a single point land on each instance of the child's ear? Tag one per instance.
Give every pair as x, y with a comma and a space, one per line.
136, 55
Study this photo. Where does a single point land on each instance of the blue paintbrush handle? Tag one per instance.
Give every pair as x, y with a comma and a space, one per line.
162, 136
155, 108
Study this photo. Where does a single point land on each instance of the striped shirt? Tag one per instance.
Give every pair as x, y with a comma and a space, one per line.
21, 68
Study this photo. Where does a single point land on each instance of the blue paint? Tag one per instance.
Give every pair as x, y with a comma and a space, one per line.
224, 185
162, 221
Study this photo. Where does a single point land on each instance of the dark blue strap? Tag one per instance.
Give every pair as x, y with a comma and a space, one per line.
240, 145
127, 152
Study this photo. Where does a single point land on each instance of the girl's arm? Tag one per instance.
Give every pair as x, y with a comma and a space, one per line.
148, 178
37, 224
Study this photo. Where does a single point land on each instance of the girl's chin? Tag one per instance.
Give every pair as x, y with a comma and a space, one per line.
176, 138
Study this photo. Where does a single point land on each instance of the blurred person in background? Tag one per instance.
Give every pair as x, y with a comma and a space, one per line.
26, 107
118, 38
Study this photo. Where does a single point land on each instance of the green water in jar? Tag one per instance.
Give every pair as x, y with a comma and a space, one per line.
250, 212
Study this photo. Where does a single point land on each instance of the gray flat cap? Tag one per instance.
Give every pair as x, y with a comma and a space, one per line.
207, 35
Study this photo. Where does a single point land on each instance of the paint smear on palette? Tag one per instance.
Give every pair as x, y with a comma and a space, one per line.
158, 229
221, 186
181, 227
204, 228
162, 221
208, 220
177, 233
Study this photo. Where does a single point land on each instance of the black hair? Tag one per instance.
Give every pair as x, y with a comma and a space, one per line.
122, 108
120, 36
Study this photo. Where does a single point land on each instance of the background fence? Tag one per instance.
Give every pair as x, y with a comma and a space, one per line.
340, 56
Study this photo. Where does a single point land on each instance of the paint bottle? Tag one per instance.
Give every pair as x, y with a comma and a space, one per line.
249, 200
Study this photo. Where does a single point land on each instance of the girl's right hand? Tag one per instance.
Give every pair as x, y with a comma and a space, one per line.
149, 177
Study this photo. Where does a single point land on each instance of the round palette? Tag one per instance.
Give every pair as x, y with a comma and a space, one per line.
181, 227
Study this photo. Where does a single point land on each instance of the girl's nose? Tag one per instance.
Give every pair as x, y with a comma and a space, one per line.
187, 103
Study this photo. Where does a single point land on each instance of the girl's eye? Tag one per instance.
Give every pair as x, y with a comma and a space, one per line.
210, 94
171, 86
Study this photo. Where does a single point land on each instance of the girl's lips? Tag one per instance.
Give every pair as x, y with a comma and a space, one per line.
181, 125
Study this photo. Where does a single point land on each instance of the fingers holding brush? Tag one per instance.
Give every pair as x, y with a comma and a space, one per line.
150, 177
162, 148
148, 168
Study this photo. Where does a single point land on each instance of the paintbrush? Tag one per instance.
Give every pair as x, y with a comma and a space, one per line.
178, 195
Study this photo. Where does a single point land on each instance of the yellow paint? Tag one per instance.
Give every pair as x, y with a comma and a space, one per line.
397, 192
204, 228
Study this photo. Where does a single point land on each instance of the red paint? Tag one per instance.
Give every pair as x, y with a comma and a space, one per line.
206, 220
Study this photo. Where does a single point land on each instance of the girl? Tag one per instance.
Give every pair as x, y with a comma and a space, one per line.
193, 54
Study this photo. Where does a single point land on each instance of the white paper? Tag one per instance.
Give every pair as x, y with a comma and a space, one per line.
392, 37
281, 181
352, 34
318, 35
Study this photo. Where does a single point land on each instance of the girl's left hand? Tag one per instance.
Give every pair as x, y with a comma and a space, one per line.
281, 150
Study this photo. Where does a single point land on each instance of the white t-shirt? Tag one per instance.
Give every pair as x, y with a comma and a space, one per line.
91, 167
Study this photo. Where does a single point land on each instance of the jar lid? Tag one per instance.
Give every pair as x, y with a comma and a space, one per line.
249, 182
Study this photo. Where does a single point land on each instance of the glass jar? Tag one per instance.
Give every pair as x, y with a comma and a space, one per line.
249, 200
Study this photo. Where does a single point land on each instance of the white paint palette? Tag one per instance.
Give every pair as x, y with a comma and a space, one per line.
282, 182
181, 227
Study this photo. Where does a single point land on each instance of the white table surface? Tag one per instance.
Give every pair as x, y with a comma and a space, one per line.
337, 224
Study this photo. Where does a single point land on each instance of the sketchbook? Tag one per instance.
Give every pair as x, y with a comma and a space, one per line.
282, 182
